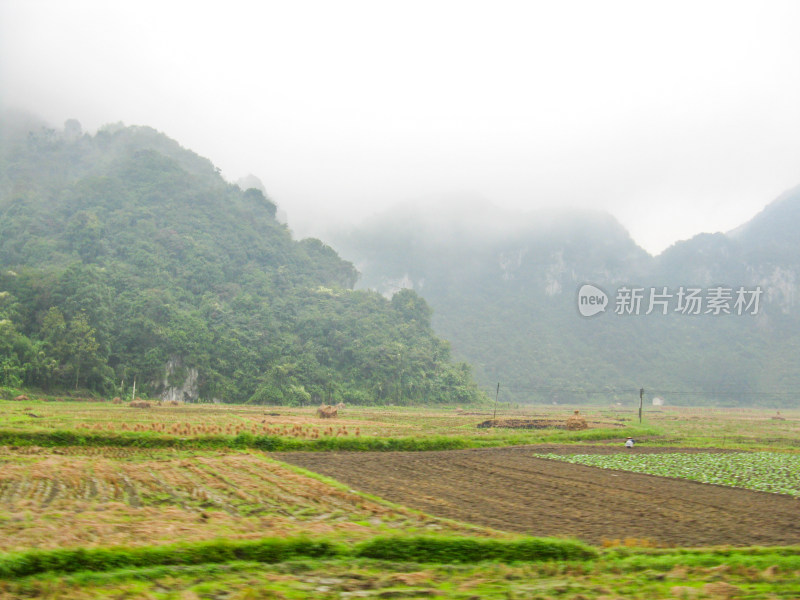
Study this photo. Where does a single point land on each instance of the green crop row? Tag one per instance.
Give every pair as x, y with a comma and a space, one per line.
413, 549
762, 471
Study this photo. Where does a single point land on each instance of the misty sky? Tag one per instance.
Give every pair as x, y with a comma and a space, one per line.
677, 117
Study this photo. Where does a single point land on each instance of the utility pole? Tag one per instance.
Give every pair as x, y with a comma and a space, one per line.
496, 396
641, 401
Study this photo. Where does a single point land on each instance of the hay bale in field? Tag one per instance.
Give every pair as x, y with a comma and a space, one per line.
117, 400
576, 422
339, 406
139, 404
22, 398
326, 411
722, 589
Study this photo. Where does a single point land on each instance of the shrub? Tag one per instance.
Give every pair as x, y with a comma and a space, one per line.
467, 550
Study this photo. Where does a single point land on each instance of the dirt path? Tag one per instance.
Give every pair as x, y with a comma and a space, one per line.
509, 489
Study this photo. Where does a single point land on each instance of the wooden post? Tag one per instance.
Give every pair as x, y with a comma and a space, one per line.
641, 401
496, 396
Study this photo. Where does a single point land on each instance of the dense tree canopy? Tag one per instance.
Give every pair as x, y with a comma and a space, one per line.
123, 255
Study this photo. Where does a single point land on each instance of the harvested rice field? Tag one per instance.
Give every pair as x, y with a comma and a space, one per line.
97, 496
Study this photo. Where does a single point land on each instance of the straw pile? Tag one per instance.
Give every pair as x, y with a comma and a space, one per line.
576, 422
326, 411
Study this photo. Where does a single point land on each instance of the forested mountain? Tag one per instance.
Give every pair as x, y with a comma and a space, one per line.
125, 256
504, 289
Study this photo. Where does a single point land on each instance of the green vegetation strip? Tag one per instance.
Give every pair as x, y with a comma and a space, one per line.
415, 549
773, 472
469, 550
786, 558
271, 443
103, 559
102, 564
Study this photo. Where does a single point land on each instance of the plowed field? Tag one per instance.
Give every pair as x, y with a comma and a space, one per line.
509, 489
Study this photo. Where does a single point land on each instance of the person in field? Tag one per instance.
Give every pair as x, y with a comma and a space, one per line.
629, 443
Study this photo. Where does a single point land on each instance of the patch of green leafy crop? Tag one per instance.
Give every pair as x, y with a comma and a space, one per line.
762, 471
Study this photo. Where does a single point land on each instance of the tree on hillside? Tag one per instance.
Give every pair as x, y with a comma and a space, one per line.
72, 345
82, 345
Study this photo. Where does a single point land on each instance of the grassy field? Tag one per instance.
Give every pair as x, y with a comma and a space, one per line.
453, 427
218, 420
708, 575
116, 479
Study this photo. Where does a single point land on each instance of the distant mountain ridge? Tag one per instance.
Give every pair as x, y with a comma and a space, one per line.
503, 288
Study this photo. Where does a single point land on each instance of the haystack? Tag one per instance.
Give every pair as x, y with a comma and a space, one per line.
326, 411
139, 404
117, 400
576, 422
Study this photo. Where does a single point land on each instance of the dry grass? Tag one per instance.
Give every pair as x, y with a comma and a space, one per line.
140, 404
327, 412
188, 429
51, 500
577, 422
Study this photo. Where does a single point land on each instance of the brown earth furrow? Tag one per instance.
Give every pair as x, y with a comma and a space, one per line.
510, 489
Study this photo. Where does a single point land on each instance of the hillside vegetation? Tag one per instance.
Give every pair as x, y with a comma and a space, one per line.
504, 290
124, 257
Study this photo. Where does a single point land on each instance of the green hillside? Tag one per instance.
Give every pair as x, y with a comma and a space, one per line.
504, 291
124, 256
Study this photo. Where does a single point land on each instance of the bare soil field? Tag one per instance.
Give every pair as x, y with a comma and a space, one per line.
509, 489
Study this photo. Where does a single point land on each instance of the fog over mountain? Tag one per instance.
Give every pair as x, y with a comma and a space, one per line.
504, 289
712, 319
676, 118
